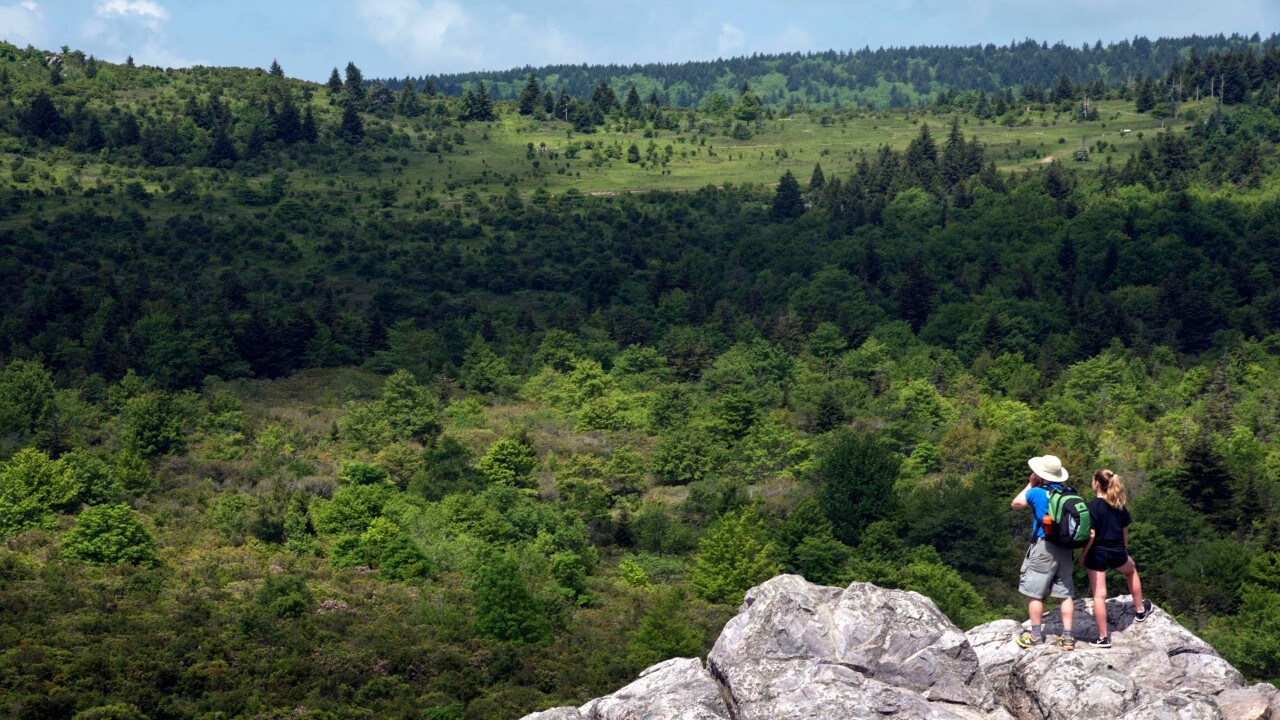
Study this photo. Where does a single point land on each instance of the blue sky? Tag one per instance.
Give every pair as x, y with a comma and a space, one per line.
398, 37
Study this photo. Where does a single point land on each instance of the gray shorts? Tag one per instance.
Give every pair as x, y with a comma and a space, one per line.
1046, 570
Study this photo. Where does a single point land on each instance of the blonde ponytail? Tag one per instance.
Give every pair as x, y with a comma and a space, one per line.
1110, 488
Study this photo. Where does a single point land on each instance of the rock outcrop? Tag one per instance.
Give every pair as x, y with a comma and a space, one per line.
798, 650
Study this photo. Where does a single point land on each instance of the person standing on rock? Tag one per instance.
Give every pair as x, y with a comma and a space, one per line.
1046, 568
1108, 549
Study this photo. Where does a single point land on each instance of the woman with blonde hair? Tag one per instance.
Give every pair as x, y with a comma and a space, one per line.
1108, 549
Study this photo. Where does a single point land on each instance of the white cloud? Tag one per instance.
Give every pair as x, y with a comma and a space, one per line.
731, 39
425, 35
22, 24
136, 28
148, 12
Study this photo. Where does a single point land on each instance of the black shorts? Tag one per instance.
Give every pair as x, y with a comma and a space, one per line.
1104, 558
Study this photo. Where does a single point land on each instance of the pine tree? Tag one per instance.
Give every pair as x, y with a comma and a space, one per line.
631, 106
477, 105
604, 98
530, 96
276, 70
732, 558
352, 126
953, 167
817, 179
787, 202
42, 118
288, 121
505, 609
221, 150
548, 102
354, 84
856, 476
309, 133
408, 104
335, 82
1146, 96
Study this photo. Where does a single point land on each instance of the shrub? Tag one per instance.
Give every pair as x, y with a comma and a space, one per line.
31, 487
110, 535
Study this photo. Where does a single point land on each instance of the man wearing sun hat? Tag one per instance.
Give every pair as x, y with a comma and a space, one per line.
1046, 568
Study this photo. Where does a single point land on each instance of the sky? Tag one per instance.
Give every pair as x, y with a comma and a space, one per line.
394, 38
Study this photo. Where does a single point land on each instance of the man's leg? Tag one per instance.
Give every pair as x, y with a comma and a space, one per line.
1036, 611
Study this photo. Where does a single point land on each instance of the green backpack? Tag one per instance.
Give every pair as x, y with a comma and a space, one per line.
1067, 523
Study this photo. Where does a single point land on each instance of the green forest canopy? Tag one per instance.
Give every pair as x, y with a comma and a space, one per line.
381, 446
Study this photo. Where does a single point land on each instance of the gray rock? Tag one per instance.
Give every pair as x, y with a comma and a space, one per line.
798, 651
677, 689
1245, 704
997, 651
558, 713
801, 650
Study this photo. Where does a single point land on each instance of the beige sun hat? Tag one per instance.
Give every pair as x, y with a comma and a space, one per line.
1049, 468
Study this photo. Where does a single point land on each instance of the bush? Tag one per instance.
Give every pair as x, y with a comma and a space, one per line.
286, 596
510, 461
31, 487
110, 535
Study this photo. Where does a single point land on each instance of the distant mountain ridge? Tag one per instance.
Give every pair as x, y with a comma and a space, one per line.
886, 77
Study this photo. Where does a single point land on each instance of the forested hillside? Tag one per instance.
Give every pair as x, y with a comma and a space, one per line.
333, 401
893, 77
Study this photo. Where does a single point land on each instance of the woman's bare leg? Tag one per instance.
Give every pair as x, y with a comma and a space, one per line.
1130, 571
1098, 581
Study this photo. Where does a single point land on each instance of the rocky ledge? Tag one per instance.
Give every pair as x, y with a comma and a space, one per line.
798, 650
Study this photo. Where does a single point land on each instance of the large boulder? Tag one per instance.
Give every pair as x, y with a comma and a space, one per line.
1154, 669
802, 651
678, 689
799, 650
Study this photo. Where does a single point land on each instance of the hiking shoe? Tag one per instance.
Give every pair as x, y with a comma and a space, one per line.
1026, 639
1102, 642
1067, 642
1141, 615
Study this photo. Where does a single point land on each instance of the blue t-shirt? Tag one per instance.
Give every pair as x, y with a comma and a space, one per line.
1038, 501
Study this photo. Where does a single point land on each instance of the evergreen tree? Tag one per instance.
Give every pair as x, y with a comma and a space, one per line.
530, 96
748, 108
631, 106
921, 158
408, 102
732, 558
564, 105
1145, 99
288, 121
477, 105
505, 609
276, 70
309, 132
664, 632
604, 98
482, 370
954, 164
42, 118
787, 202
1064, 91
32, 487
354, 85
856, 475
335, 82
1206, 483
548, 102
352, 126
221, 150
817, 179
